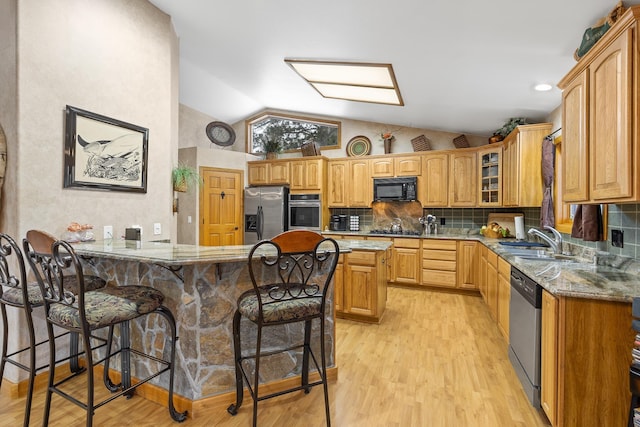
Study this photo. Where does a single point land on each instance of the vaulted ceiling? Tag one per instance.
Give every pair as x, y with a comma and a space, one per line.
462, 66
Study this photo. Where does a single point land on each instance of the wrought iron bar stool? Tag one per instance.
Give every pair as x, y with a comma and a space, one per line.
291, 275
17, 292
89, 311
634, 369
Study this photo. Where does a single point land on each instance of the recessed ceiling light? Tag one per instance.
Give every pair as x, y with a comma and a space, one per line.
543, 87
353, 81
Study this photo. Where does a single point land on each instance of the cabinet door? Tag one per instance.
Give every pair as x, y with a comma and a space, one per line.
492, 289
467, 265
361, 187
510, 173
504, 297
575, 160
407, 265
408, 166
434, 189
338, 178
610, 97
313, 174
482, 273
298, 171
258, 173
381, 168
462, 179
279, 173
358, 290
549, 359
490, 177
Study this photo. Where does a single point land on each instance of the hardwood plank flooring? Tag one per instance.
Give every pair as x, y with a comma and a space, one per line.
437, 359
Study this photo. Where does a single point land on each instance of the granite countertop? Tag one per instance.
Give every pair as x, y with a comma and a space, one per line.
603, 277
179, 254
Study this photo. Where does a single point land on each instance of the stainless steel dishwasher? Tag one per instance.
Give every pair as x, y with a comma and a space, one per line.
524, 333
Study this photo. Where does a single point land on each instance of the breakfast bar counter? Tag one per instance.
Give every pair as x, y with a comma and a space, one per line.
201, 285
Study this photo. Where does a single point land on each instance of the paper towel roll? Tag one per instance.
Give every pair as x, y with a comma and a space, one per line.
519, 224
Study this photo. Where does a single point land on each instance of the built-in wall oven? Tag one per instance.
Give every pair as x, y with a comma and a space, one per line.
525, 310
305, 212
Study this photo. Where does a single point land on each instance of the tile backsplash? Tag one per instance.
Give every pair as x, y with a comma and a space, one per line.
622, 217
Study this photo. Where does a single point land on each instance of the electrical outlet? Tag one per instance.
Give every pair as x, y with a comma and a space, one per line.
617, 238
107, 232
157, 228
442, 221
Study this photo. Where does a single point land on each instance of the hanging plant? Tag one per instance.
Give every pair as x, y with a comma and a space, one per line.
185, 177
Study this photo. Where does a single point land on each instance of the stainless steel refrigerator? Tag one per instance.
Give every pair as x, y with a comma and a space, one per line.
266, 211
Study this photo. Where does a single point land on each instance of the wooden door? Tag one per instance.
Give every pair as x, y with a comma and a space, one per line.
313, 174
361, 189
221, 207
610, 97
338, 284
492, 284
504, 296
358, 290
575, 153
434, 188
549, 357
408, 166
467, 265
258, 173
279, 173
382, 168
337, 182
462, 179
297, 179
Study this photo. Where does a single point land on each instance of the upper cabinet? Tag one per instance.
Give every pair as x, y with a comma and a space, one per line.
462, 178
433, 184
599, 103
302, 175
268, 172
522, 171
307, 175
337, 183
396, 166
360, 190
490, 176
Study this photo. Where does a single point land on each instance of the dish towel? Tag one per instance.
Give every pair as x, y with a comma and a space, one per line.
587, 223
547, 217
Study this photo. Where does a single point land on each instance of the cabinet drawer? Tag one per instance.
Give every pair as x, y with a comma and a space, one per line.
406, 243
504, 268
361, 258
439, 255
439, 265
438, 278
449, 245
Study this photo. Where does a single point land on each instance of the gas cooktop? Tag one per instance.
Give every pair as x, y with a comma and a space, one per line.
402, 233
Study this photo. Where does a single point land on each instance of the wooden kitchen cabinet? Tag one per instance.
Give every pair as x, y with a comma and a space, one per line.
482, 273
338, 284
492, 284
522, 171
599, 101
504, 296
549, 357
433, 183
407, 165
307, 175
467, 269
364, 286
490, 176
439, 263
590, 363
268, 172
462, 178
381, 168
406, 261
389, 256
338, 183
360, 190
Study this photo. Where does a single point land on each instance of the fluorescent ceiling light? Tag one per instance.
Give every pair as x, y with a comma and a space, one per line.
352, 81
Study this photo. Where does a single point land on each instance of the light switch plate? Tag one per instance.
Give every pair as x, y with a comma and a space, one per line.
157, 228
107, 232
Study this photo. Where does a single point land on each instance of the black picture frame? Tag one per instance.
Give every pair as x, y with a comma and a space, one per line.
102, 153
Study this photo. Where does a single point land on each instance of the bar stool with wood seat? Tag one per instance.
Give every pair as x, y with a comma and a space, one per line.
17, 292
291, 275
89, 311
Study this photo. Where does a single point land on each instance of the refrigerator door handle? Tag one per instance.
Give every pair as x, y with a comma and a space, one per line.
260, 222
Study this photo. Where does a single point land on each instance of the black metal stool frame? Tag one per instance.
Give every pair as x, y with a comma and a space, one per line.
296, 264
52, 286
9, 249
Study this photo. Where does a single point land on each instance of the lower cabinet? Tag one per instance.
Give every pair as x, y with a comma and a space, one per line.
586, 352
504, 296
468, 263
492, 284
406, 261
361, 285
439, 263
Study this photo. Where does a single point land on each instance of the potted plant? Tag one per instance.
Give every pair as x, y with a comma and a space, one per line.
184, 177
271, 147
507, 128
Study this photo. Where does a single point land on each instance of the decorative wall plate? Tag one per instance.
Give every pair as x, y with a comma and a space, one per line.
221, 134
359, 146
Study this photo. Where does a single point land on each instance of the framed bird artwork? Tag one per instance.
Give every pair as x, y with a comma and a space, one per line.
102, 153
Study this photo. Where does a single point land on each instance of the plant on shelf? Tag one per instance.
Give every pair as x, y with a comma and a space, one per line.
185, 177
272, 147
509, 126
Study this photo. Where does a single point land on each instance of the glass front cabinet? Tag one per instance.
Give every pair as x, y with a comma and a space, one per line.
490, 176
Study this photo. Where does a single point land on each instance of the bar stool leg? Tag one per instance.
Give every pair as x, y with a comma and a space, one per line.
233, 408
305, 356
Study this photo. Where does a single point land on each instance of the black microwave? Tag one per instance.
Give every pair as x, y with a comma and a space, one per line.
395, 189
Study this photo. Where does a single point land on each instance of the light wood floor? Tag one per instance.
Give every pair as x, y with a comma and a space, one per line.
437, 359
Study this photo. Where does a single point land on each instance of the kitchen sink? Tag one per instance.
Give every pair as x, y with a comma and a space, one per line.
547, 257
527, 252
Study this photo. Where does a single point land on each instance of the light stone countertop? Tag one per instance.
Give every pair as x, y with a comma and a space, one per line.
172, 254
618, 281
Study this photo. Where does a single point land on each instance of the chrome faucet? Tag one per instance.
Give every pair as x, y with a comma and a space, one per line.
555, 243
